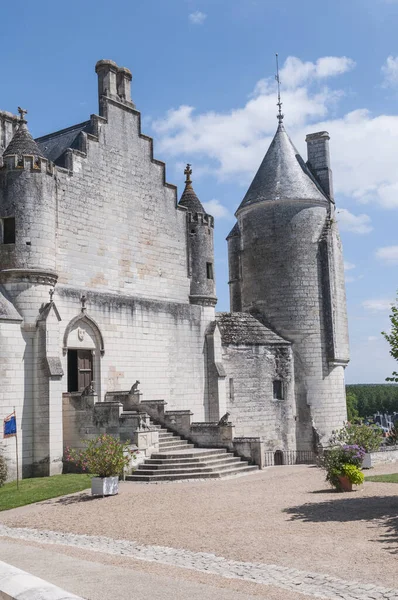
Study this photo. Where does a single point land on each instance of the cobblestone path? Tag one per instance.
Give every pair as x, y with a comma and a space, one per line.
314, 584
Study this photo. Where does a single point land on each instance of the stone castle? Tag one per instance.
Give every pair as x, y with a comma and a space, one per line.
106, 278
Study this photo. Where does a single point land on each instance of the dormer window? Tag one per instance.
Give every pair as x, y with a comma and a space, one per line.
8, 230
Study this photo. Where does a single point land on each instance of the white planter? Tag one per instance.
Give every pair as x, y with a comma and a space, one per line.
367, 461
104, 486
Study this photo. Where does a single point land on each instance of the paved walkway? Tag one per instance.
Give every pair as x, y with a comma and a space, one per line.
284, 578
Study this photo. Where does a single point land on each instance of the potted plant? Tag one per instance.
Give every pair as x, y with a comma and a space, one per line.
368, 437
343, 466
105, 457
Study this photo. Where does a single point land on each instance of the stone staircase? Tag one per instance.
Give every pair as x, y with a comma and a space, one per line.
177, 459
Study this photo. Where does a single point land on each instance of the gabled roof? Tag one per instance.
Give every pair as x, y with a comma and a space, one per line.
241, 328
283, 175
190, 200
22, 144
55, 144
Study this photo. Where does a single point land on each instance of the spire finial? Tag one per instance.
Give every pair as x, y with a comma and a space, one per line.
22, 113
279, 103
188, 173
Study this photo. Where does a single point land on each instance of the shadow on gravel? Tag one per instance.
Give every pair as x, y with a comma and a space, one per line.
381, 512
78, 499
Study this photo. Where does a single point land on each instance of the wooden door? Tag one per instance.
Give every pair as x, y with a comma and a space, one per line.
84, 368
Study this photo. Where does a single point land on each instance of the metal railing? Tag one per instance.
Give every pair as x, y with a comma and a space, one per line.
290, 457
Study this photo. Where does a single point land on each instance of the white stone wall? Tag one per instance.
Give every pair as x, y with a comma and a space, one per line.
159, 343
118, 227
250, 372
16, 391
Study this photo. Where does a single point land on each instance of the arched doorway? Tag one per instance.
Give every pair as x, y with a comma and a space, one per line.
83, 346
278, 458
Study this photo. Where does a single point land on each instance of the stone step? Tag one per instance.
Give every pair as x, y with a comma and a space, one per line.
176, 470
177, 462
239, 470
196, 453
167, 436
177, 448
176, 442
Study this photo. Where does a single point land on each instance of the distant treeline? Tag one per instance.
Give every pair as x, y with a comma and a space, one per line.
367, 399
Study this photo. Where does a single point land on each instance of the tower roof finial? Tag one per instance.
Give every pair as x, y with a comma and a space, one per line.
280, 115
22, 113
188, 173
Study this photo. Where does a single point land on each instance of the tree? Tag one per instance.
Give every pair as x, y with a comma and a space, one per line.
392, 339
352, 407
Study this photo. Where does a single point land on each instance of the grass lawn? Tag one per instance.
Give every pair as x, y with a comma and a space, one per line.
41, 488
393, 478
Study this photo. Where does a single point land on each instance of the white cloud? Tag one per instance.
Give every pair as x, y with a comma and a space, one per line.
377, 305
295, 72
373, 338
348, 266
390, 71
389, 254
216, 209
232, 143
197, 17
353, 223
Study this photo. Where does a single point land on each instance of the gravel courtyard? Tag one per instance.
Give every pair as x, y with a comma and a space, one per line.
285, 516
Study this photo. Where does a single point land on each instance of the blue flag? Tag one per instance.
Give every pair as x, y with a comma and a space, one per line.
10, 426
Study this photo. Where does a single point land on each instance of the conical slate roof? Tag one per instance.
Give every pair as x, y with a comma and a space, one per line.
23, 144
283, 175
190, 200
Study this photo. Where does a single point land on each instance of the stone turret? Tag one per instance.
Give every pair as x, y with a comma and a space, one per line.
290, 275
200, 227
28, 220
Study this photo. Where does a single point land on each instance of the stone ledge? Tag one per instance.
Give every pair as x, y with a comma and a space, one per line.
16, 584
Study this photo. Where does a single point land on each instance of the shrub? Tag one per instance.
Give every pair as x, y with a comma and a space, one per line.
336, 459
369, 437
353, 473
105, 456
3, 470
392, 439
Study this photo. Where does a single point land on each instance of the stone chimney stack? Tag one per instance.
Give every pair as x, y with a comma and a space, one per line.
319, 159
107, 72
123, 82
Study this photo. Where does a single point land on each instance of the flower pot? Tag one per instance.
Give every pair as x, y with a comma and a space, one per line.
104, 486
345, 484
367, 461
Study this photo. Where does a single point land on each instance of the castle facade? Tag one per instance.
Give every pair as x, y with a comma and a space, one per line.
107, 277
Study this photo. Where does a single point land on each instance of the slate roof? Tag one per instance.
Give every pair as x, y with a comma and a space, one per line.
190, 200
8, 312
243, 329
22, 143
235, 231
54, 145
283, 175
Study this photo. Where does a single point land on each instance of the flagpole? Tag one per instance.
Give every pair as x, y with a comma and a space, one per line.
16, 447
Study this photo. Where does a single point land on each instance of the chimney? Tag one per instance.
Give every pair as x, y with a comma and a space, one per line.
107, 72
123, 81
319, 159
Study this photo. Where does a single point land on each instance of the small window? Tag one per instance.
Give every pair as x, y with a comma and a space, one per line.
209, 269
8, 230
277, 389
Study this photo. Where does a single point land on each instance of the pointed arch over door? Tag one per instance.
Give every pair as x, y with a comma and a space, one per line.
84, 319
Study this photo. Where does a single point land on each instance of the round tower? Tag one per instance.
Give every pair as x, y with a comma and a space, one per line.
200, 228
286, 266
27, 223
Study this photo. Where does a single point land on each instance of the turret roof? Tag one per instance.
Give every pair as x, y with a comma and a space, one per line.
283, 175
189, 199
23, 144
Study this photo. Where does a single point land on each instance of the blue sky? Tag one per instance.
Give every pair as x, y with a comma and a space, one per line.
203, 79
